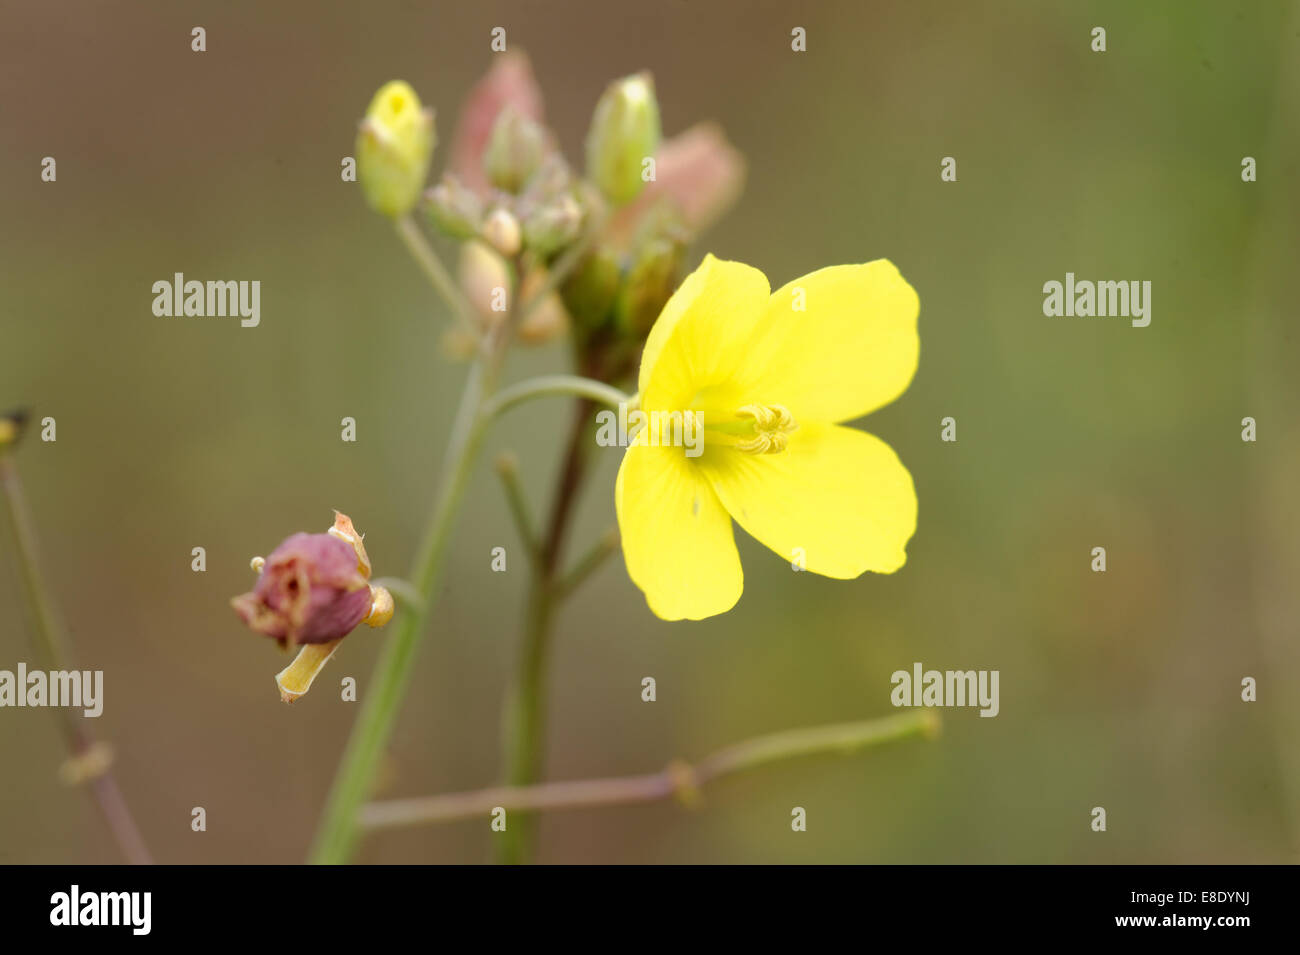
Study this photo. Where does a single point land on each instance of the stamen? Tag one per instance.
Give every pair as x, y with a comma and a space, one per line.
772, 427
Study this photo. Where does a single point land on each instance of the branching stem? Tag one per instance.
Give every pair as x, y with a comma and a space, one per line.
679, 779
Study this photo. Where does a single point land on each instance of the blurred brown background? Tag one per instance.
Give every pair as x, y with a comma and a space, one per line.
1120, 690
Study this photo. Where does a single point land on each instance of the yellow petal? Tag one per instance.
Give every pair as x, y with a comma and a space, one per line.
701, 338
851, 350
677, 538
837, 498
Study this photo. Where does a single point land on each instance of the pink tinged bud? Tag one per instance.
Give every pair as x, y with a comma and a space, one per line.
311, 590
511, 83
698, 172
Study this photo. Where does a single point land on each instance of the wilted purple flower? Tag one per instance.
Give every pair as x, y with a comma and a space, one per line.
311, 590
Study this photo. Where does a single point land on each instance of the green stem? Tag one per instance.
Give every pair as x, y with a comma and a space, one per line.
52, 648
508, 471
603, 548
437, 274
678, 779
337, 835
551, 385
524, 718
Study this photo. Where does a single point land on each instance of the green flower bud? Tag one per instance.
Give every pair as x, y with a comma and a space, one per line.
394, 147
649, 283
454, 209
514, 150
589, 292
551, 227
624, 133
551, 180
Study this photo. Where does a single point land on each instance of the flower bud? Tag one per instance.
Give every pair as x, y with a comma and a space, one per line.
454, 209
481, 273
501, 230
12, 424
551, 227
588, 293
514, 150
624, 133
394, 147
547, 319
552, 179
698, 172
649, 284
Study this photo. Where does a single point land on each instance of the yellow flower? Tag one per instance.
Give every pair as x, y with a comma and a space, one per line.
768, 378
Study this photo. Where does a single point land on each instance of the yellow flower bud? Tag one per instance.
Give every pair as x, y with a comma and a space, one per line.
394, 148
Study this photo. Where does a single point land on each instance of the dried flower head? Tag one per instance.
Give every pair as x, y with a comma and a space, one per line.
312, 591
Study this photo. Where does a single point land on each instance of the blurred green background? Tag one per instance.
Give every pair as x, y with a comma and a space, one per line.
1119, 690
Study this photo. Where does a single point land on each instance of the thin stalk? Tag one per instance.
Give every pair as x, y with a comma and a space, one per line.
508, 471
337, 836
524, 717
679, 779
52, 647
551, 385
587, 564
437, 274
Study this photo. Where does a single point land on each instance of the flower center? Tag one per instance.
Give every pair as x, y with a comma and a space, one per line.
753, 428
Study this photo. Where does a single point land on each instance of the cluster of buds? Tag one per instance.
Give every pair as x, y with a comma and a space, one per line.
516, 206
311, 592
